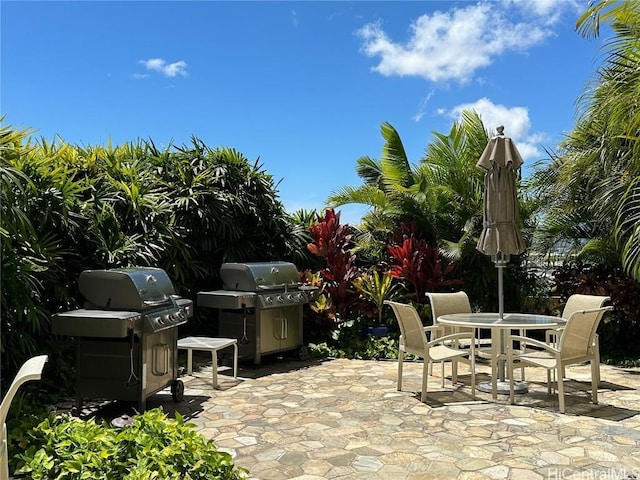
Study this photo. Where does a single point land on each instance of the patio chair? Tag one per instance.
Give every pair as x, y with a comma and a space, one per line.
575, 344
413, 340
455, 302
575, 303
30, 370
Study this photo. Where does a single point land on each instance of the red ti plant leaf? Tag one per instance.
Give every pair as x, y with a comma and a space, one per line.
421, 266
332, 241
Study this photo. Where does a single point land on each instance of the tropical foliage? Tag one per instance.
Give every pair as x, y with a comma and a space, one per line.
154, 446
421, 266
377, 287
332, 242
592, 185
67, 208
441, 198
620, 332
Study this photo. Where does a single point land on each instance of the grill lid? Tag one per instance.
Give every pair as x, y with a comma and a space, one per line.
253, 277
134, 288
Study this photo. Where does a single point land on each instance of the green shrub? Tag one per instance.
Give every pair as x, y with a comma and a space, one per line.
153, 447
350, 341
620, 330
66, 208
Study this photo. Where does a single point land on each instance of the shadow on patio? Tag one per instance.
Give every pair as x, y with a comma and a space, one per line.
344, 419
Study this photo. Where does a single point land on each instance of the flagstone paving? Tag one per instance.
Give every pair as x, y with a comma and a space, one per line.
344, 419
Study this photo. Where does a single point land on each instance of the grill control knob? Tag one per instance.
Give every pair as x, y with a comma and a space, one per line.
269, 300
180, 315
292, 298
300, 297
280, 299
160, 320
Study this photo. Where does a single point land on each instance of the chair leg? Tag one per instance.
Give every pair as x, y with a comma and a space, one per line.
511, 386
400, 361
494, 378
596, 352
549, 380
442, 374
472, 366
561, 394
454, 371
495, 355
425, 378
594, 381
522, 333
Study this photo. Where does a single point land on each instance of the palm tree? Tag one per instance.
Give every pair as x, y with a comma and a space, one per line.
388, 183
453, 183
443, 193
593, 184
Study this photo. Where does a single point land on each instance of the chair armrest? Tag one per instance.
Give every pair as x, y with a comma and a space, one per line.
531, 342
454, 336
554, 332
601, 309
433, 329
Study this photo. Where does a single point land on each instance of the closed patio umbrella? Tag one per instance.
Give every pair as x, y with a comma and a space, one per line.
500, 235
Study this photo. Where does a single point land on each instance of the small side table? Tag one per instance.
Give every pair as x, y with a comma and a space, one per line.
212, 345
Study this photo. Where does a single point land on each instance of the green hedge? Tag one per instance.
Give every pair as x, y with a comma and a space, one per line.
65, 208
620, 329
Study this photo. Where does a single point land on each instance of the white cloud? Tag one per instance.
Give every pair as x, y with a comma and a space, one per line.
139, 76
422, 108
547, 11
294, 18
514, 119
452, 45
166, 69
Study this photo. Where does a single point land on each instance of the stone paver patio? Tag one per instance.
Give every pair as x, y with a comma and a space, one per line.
344, 419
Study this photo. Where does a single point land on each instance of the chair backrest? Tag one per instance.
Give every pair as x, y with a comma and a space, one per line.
411, 327
583, 302
447, 303
577, 338
30, 370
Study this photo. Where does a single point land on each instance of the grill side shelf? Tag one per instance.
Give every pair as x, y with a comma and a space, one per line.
228, 299
96, 323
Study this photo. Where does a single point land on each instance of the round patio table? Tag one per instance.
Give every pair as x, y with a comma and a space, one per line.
499, 325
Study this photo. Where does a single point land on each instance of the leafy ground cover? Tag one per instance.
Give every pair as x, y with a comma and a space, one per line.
153, 447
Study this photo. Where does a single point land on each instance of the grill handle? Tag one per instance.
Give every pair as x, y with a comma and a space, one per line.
155, 303
285, 328
160, 364
275, 286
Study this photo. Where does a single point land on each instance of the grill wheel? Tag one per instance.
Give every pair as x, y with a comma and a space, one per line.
303, 353
177, 390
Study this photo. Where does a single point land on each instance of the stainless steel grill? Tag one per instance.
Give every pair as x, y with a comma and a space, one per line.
127, 334
260, 305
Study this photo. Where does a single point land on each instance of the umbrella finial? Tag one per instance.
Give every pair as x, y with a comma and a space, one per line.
500, 129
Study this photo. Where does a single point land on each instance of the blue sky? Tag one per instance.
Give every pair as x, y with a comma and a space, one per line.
304, 86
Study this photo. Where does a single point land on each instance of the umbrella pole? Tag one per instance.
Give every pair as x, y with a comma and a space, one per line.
501, 262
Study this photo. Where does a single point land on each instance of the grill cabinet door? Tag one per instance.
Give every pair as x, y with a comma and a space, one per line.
280, 328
